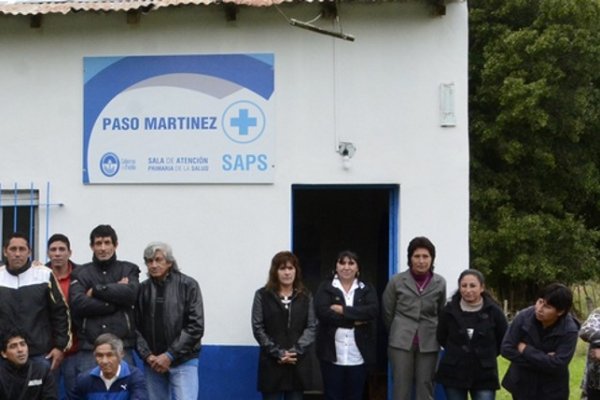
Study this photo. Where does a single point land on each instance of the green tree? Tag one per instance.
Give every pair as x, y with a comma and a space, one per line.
535, 143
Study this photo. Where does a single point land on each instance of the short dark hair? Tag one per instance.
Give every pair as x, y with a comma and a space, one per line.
420, 242
10, 333
558, 296
103, 231
59, 237
16, 235
348, 254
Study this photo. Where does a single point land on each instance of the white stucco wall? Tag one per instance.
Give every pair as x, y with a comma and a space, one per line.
379, 92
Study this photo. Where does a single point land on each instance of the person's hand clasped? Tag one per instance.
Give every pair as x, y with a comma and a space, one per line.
160, 363
289, 358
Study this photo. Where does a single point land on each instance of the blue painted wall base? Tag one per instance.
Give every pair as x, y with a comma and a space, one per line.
228, 373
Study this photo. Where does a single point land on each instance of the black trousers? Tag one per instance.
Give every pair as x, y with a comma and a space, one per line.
343, 382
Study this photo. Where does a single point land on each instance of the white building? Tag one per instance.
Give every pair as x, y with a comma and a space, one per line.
395, 99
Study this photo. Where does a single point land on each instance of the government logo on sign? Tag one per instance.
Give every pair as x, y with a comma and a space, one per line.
109, 164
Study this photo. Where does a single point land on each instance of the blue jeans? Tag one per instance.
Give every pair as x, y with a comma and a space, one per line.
283, 396
68, 372
179, 383
64, 376
461, 394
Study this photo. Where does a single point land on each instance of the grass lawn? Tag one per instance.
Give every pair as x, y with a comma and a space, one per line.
575, 372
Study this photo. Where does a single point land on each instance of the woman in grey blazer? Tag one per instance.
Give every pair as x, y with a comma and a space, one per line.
411, 302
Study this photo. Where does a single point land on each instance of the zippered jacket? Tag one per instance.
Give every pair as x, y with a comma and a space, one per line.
32, 381
31, 300
362, 316
182, 322
130, 385
541, 371
110, 309
470, 360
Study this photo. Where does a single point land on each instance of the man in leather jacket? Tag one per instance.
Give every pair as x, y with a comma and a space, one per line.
170, 323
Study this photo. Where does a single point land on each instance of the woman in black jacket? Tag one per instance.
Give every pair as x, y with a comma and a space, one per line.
284, 325
470, 329
347, 309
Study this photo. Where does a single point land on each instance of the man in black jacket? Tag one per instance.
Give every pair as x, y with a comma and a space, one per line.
20, 377
170, 323
30, 298
540, 344
102, 297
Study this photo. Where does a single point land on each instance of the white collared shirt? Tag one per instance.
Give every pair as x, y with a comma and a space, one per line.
109, 382
347, 353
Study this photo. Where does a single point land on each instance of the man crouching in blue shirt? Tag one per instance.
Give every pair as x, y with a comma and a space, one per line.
112, 379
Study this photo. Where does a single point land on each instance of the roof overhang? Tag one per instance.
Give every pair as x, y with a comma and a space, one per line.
26, 7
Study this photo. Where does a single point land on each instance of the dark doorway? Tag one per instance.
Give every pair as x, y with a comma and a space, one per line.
330, 218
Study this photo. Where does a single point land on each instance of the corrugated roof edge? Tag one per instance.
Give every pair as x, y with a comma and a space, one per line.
64, 7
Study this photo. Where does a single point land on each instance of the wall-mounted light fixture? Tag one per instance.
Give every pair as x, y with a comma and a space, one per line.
447, 115
346, 150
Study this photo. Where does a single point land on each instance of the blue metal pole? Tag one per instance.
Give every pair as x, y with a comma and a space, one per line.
393, 213
47, 215
31, 216
15, 210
